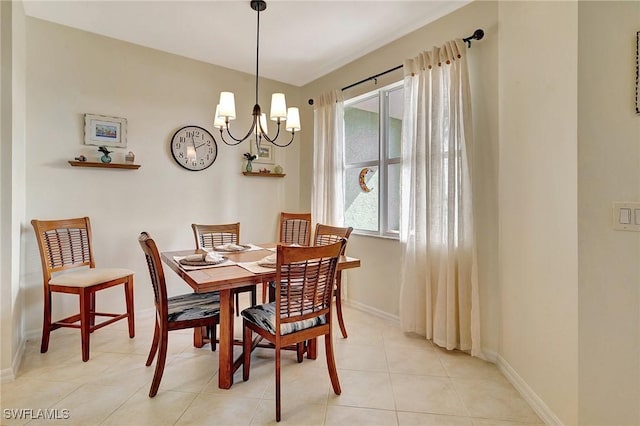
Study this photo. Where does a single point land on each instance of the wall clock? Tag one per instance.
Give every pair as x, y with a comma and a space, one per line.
194, 148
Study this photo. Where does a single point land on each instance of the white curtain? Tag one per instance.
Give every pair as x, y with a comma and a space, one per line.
439, 286
327, 196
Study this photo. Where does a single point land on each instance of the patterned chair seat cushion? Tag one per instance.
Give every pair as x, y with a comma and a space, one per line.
193, 306
264, 316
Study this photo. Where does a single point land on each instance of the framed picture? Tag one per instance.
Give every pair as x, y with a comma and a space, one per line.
266, 153
102, 130
638, 72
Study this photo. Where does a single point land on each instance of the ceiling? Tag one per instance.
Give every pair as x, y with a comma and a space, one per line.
300, 41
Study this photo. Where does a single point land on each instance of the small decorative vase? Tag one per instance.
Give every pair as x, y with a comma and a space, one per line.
105, 158
249, 167
278, 169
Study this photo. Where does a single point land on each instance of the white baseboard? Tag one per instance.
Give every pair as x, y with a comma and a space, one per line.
536, 403
373, 311
9, 374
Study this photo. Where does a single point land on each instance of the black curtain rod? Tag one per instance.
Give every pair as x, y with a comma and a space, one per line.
477, 35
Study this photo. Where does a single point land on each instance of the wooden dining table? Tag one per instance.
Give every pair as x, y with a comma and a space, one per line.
224, 279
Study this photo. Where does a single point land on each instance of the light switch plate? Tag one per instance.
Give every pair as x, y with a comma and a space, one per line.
626, 216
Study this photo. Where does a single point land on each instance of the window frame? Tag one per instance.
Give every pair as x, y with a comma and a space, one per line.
383, 161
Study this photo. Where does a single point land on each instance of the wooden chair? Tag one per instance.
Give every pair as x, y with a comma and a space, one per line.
66, 244
189, 310
294, 228
210, 236
326, 234
302, 309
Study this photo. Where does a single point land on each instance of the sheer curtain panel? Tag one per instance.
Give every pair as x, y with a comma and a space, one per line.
327, 197
439, 286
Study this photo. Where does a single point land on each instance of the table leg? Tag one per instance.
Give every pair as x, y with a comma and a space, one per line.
225, 367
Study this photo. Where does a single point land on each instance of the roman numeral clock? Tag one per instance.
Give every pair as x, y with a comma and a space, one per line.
194, 148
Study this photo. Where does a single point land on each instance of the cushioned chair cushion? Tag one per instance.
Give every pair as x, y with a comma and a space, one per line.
264, 316
90, 276
193, 306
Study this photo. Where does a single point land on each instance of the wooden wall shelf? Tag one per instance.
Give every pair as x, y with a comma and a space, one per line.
264, 174
104, 165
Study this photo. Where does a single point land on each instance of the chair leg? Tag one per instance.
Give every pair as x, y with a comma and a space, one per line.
246, 350
271, 291
46, 321
154, 344
300, 349
128, 294
162, 357
264, 292
278, 384
237, 304
213, 335
85, 322
312, 348
338, 292
92, 310
198, 336
254, 296
331, 364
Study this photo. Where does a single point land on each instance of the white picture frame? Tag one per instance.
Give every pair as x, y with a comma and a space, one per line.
265, 154
102, 130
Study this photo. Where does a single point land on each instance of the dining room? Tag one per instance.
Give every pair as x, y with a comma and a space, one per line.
541, 359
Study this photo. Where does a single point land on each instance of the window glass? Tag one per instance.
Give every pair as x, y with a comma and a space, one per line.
393, 198
373, 137
361, 130
361, 207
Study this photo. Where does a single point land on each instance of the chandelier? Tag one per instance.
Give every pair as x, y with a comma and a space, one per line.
226, 108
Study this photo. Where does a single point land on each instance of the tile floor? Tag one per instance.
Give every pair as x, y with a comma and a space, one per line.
387, 378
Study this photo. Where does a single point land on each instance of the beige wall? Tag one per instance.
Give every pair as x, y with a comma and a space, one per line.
556, 143
376, 284
69, 73
12, 190
609, 171
538, 199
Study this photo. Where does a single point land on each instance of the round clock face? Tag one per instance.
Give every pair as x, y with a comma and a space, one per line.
194, 148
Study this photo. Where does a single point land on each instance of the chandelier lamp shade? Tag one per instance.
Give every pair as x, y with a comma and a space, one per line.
226, 108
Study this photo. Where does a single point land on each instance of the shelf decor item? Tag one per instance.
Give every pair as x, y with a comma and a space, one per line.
101, 130
105, 154
129, 158
249, 157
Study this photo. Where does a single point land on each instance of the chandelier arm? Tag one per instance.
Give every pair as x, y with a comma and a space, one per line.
228, 143
293, 135
253, 126
266, 136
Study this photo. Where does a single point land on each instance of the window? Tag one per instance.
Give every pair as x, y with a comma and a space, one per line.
372, 139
